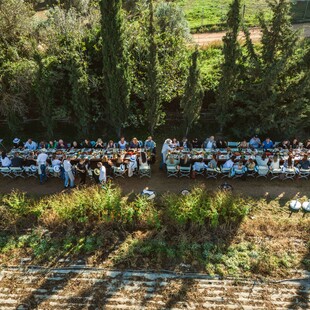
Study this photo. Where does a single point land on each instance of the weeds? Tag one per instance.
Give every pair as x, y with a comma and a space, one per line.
208, 232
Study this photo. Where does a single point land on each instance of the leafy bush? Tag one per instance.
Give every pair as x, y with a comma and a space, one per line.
200, 208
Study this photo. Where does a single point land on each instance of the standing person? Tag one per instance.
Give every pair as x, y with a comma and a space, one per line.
103, 173
82, 170
41, 162
68, 173
164, 152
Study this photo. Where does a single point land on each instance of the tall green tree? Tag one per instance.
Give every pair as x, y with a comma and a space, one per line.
115, 64
153, 104
192, 99
273, 96
230, 69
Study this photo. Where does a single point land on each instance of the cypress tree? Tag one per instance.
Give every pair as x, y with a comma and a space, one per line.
230, 68
153, 104
192, 99
115, 64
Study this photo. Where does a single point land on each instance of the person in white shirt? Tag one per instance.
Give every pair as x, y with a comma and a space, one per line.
103, 173
68, 173
122, 143
41, 162
5, 161
164, 152
30, 145
262, 161
275, 163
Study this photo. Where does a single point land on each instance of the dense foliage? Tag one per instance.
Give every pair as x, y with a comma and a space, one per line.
103, 70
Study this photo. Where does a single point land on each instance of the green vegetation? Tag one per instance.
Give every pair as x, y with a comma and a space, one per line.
217, 233
211, 15
103, 71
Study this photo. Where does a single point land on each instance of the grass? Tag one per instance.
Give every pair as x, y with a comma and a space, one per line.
209, 15
215, 233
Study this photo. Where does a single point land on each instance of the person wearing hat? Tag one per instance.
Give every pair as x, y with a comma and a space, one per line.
102, 173
17, 144
41, 163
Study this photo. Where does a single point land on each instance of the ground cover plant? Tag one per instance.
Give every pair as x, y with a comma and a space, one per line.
211, 232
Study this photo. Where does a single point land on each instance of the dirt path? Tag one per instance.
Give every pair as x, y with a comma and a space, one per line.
284, 190
211, 37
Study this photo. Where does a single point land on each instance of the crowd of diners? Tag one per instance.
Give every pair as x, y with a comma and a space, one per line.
39, 154
61, 154
263, 154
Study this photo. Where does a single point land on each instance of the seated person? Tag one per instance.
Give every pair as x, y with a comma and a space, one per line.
17, 161
255, 142
185, 161
17, 144
221, 144
61, 145
74, 145
149, 144
239, 165
213, 162
122, 144
185, 144
285, 144
30, 160
175, 143
199, 165
289, 163
243, 144
52, 144
305, 163
119, 160
30, 145
86, 144
43, 145
5, 161
99, 144
262, 161
250, 164
196, 144
307, 144
275, 163
209, 143
229, 163
295, 144
143, 164
55, 161
134, 144
111, 145
267, 144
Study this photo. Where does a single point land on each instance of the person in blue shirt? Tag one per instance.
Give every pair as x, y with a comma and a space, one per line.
255, 142
149, 144
267, 144
30, 145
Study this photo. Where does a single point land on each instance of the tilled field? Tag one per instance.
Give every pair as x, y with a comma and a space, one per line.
88, 288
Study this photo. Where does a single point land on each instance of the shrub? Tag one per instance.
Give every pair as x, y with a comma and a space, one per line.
200, 208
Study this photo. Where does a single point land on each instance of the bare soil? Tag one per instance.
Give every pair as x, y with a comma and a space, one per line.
213, 37
258, 188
